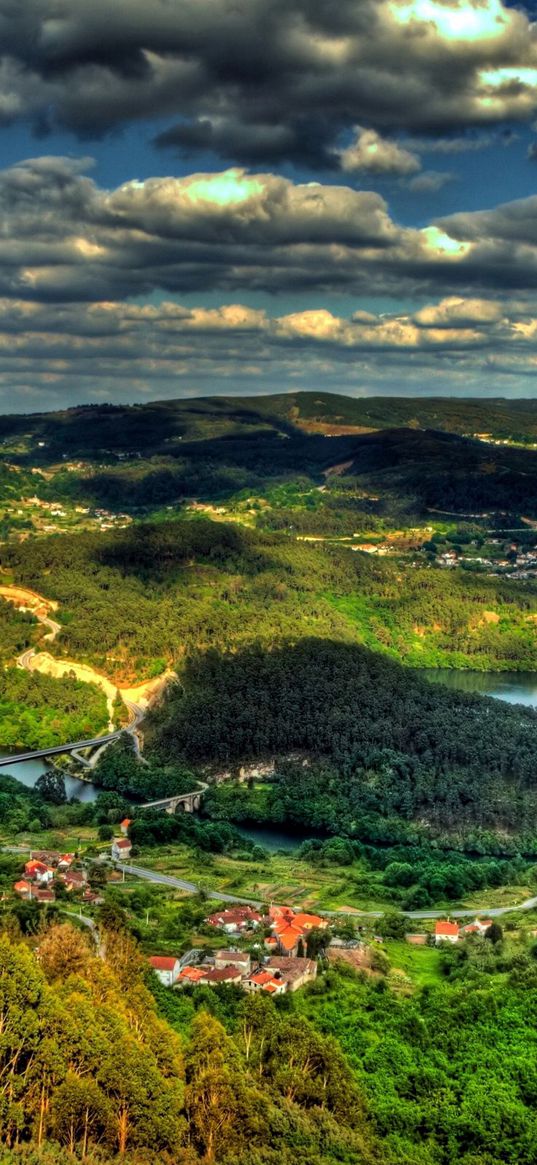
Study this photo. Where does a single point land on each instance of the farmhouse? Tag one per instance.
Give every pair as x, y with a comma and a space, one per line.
235, 920
446, 932
294, 972
121, 849
166, 968
240, 959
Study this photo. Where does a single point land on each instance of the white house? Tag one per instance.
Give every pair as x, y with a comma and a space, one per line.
167, 968
446, 932
121, 849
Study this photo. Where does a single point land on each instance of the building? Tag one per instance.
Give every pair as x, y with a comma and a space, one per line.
479, 926
290, 928
166, 968
446, 932
121, 849
23, 889
240, 959
65, 862
124, 825
235, 920
216, 975
38, 872
293, 972
192, 974
263, 980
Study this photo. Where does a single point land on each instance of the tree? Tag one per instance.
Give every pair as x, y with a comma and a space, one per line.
51, 787
212, 1079
494, 933
63, 951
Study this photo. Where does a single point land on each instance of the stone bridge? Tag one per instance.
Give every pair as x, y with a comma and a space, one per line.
184, 802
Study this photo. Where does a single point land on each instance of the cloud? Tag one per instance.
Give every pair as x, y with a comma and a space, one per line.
266, 81
377, 155
65, 238
119, 351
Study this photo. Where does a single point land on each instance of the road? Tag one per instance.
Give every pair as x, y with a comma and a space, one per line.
73, 746
192, 888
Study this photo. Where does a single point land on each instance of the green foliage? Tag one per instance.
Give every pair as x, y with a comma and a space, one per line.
37, 710
398, 747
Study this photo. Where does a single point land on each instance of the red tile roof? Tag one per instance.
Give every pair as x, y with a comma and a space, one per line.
220, 974
163, 962
122, 843
446, 928
192, 974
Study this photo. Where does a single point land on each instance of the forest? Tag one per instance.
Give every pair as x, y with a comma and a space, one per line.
103, 1063
397, 748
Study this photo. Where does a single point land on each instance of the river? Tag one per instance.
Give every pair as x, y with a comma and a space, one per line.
29, 771
513, 687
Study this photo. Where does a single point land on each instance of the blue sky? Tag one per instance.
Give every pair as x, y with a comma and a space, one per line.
364, 220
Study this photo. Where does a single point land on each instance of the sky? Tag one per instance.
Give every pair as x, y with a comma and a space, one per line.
247, 196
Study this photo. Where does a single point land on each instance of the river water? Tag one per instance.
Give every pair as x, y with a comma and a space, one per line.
514, 687
28, 772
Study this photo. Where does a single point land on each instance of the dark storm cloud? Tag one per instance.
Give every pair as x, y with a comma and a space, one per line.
65, 238
260, 81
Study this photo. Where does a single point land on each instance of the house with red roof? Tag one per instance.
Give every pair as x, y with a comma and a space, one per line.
192, 974
121, 849
23, 888
446, 932
235, 920
124, 825
231, 975
167, 968
289, 928
240, 959
38, 872
479, 926
263, 980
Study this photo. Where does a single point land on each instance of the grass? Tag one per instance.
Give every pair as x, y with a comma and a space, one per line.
420, 964
282, 877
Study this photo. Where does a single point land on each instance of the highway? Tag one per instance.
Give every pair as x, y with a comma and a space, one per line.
136, 714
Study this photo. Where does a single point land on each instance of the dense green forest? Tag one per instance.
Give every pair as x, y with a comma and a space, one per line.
101, 1062
136, 600
37, 711
398, 747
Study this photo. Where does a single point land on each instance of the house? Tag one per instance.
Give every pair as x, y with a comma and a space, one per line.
240, 959
44, 895
124, 825
65, 862
263, 980
166, 968
23, 889
192, 974
289, 928
310, 922
271, 944
479, 926
74, 880
121, 849
38, 872
294, 972
235, 920
446, 932
218, 975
